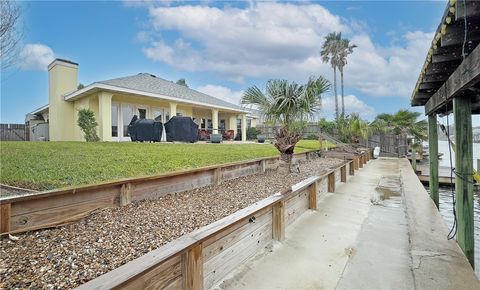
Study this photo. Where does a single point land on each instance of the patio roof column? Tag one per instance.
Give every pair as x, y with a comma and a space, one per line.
173, 109
244, 127
215, 121
105, 116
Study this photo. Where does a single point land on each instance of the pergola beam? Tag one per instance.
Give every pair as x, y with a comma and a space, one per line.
471, 8
467, 74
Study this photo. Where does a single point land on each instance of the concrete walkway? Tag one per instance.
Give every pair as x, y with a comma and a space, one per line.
348, 243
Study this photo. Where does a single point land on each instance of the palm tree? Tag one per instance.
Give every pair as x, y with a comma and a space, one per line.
401, 123
290, 105
347, 49
331, 50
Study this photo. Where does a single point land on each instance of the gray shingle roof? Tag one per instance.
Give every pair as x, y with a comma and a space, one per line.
151, 84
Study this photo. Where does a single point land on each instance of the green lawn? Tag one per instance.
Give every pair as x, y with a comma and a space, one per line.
49, 165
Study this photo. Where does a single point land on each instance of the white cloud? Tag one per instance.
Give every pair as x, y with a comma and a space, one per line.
36, 56
352, 105
222, 93
280, 40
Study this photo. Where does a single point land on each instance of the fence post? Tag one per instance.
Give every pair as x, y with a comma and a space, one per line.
263, 166
192, 268
331, 182
126, 194
312, 196
343, 173
5, 215
360, 161
217, 176
352, 167
278, 221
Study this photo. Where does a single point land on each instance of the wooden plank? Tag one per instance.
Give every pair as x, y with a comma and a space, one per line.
217, 176
351, 167
454, 34
433, 162
464, 181
360, 161
163, 276
312, 200
126, 194
331, 182
467, 74
138, 267
343, 173
222, 242
467, 9
263, 166
5, 215
221, 265
296, 206
278, 221
192, 268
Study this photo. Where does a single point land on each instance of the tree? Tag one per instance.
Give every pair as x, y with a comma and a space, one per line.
346, 49
403, 122
182, 82
10, 33
88, 124
331, 51
290, 105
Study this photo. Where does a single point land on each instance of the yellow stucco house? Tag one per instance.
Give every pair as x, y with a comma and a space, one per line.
115, 101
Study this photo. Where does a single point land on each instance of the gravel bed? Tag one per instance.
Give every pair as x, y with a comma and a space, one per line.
71, 255
7, 191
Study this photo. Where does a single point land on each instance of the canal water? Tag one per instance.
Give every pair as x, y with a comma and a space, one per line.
445, 197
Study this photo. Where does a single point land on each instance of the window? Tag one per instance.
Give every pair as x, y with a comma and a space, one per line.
239, 124
157, 114
209, 124
127, 115
142, 113
202, 123
222, 125
249, 123
114, 120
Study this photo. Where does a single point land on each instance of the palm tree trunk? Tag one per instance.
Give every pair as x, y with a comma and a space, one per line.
341, 84
335, 91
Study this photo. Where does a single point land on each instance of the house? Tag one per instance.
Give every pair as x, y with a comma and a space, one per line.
114, 103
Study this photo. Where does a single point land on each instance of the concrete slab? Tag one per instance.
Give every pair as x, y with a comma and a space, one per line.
318, 244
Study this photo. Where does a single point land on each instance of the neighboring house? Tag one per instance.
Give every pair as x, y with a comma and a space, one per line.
115, 101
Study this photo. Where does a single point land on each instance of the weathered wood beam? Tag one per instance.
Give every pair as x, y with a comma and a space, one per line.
192, 268
312, 195
455, 33
433, 160
442, 67
351, 167
462, 108
466, 75
278, 221
5, 217
331, 182
343, 173
471, 9
429, 86
435, 78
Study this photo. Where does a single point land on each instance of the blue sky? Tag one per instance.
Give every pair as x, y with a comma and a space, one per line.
222, 48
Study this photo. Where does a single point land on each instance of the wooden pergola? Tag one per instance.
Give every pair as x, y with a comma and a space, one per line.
450, 83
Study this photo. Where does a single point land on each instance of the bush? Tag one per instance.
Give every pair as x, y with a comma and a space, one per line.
252, 133
88, 124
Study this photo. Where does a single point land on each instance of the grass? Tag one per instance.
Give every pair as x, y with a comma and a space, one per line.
314, 144
50, 165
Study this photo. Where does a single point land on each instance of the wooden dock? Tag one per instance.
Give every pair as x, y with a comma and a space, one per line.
443, 175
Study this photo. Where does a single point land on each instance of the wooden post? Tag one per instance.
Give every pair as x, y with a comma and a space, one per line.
192, 268
343, 173
126, 194
312, 196
263, 166
414, 160
217, 176
433, 157
352, 167
462, 110
360, 161
5, 215
331, 182
278, 221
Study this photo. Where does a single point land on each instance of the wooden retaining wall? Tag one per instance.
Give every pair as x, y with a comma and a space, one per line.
203, 258
63, 206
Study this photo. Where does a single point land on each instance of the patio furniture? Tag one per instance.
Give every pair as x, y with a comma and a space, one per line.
261, 138
228, 135
145, 130
216, 138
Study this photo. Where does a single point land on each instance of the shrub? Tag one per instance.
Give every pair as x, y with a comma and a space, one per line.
252, 133
88, 124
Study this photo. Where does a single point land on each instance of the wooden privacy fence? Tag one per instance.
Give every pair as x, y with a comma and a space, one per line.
203, 258
12, 132
63, 206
